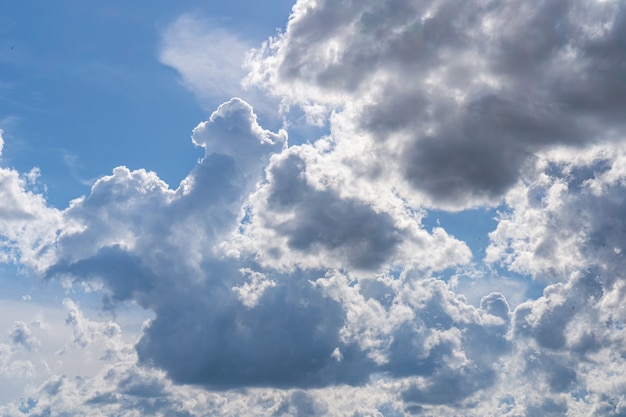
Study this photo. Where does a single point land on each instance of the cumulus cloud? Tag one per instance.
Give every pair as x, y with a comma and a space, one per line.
28, 227
225, 315
456, 97
562, 227
122, 386
302, 218
300, 280
565, 217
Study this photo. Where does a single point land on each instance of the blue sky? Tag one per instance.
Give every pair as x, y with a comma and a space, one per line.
304, 208
83, 89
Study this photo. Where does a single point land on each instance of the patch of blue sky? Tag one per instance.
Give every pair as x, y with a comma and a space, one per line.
82, 89
473, 227
18, 286
15, 287
300, 129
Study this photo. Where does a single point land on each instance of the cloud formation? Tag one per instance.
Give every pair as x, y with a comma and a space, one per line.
128, 234
454, 98
300, 280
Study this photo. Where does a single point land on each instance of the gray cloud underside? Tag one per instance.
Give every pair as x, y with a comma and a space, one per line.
474, 88
312, 327
303, 273
130, 239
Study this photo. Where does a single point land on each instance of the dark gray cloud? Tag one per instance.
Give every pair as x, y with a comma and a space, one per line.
293, 334
349, 228
474, 89
479, 150
286, 340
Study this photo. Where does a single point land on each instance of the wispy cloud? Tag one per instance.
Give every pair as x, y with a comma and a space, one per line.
208, 57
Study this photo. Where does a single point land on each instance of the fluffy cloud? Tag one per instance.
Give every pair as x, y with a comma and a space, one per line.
28, 227
454, 98
122, 387
563, 227
565, 216
260, 325
303, 220
300, 280
230, 314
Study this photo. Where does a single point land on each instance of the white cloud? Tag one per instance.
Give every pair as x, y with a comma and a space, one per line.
452, 99
300, 280
302, 218
209, 59
565, 216
27, 225
22, 336
250, 292
269, 326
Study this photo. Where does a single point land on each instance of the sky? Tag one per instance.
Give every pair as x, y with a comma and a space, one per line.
313, 208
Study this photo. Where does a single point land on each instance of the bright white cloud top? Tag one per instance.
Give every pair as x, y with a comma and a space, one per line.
314, 278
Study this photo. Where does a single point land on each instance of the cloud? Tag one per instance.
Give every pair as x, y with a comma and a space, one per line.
209, 59
28, 226
21, 336
457, 98
300, 280
121, 386
225, 318
302, 218
565, 216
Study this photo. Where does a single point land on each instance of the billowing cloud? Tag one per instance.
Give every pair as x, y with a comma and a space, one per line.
304, 221
454, 98
565, 217
301, 280
169, 251
563, 227
28, 227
